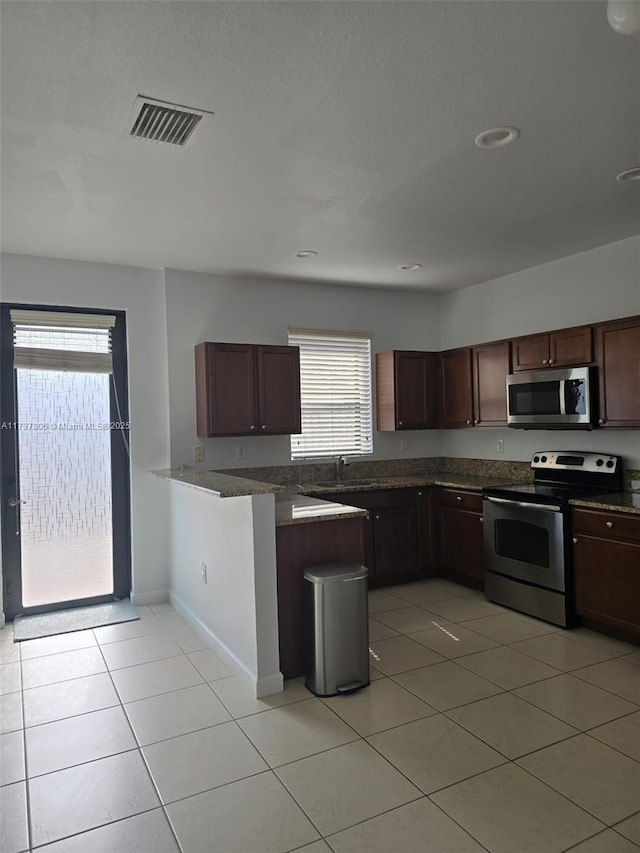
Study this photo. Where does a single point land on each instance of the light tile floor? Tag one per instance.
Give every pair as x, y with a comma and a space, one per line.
482, 730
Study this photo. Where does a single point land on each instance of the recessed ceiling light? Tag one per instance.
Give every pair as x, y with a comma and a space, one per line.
306, 253
497, 137
408, 267
629, 174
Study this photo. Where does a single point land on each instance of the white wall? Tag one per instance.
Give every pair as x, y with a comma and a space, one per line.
236, 610
139, 292
602, 284
221, 308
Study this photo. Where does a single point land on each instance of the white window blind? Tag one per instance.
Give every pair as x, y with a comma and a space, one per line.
53, 340
335, 391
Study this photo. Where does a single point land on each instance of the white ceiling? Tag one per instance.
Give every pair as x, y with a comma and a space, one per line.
344, 127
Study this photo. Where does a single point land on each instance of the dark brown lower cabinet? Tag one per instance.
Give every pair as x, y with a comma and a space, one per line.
395, 545
461, 537
299, 546
606, 557
426, 523
398, 548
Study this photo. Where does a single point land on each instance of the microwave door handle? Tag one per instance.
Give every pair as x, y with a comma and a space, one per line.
525, 505
563, 399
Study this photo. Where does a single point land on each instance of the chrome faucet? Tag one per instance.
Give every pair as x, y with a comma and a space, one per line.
341, 461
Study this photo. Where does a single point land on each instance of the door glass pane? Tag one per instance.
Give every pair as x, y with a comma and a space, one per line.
519, 540
65, 479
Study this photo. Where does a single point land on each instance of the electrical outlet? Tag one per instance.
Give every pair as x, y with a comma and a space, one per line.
204, 573
500, 445
198, 453
240, 453
405, 445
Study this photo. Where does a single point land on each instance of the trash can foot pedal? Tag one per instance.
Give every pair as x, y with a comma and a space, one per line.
351, 686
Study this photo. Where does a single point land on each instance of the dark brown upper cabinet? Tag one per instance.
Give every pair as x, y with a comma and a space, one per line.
618, 357
406, 395
456, 395
247, 389
565, 348
491, 366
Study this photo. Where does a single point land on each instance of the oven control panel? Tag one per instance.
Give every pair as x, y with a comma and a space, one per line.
570, 460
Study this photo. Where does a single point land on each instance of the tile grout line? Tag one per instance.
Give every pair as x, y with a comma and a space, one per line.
27, 784
142, 758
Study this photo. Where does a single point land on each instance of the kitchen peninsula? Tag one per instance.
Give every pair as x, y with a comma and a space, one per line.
241, 538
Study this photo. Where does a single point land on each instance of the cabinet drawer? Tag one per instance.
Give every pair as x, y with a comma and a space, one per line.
461, 499
617, 525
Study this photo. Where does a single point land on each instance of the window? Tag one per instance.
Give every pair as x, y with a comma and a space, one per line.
335, 391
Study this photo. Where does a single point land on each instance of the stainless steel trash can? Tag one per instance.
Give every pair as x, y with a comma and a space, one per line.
336, 628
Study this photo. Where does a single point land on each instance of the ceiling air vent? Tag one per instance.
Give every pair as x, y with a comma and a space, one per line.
160, 121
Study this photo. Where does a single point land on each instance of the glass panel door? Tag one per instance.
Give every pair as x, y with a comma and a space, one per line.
65, 483
64, 458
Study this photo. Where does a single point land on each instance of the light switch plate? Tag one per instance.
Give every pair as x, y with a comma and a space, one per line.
500, 445
405, 445
198, 453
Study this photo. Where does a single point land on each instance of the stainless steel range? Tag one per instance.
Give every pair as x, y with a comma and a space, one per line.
527, 534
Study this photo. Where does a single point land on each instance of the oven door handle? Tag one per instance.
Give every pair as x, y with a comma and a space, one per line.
525, 505
563, 399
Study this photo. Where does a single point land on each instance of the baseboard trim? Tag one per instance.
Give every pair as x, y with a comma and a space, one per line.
153, 596
259, 687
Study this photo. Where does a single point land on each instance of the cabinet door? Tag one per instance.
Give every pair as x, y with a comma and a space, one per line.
530, 353
425, 505
415, 390
406, 390
490, 371
571, 347
279, 389
394, 542
461, 546
457, 401
390, 538
226, 389
618, 346
607, 577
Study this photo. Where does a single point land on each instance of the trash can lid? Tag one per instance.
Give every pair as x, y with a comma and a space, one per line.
335, 572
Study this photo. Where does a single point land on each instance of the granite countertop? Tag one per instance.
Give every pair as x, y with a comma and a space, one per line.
408, 481
294, 508
616, 502
220, 485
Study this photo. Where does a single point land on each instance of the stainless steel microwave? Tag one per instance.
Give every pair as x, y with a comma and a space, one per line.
552, 399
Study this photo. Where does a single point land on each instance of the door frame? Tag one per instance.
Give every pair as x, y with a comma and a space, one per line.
9, 477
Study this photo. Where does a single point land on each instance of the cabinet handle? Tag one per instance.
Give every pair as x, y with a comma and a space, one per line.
545, 361
377, 516
550, 361
419, 493
399, 423
468, 422
458, 498
575, 540
264, 426
252, 426
481, 520
609, 524
602, 421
